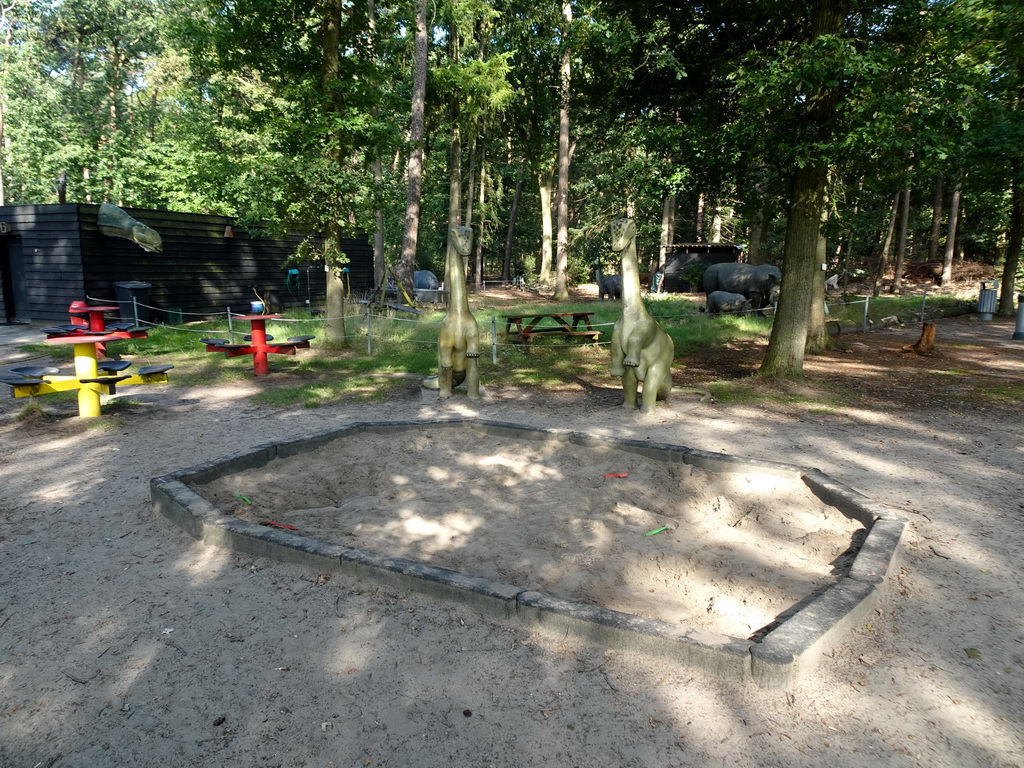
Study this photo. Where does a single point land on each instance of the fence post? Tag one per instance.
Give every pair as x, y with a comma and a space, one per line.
231, 332
924, 308
864, 322
494, 340
369, 341
135, 310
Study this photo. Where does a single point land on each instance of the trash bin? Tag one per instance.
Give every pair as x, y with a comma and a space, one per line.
132, 297
987, 299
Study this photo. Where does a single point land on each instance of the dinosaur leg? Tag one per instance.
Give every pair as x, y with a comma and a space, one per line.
472, 377
653, 386
445, 381
629, 388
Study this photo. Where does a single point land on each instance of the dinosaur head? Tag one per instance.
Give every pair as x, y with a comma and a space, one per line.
462, 239
148, 239
623, 232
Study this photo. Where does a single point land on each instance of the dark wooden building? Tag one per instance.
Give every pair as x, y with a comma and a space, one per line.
51, 255
684, 262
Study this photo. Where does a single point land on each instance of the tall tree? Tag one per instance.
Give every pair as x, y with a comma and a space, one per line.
804, 249
414, 170
564, 154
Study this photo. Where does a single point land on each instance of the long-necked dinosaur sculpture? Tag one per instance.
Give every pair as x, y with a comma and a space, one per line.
641, 350
458, 344
114, 222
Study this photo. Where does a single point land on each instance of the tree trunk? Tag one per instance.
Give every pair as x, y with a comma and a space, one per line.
471, 181
901, 247
376, 166
414, 191
758, 235
787, 345
330, 35
925, 344
668, 228
478, 248
562, 196
544, 276
700, 218
804, 251
883, 260
3, 148
818, 339
510, 236
1007, 294
716, 225
947, 257
933, 234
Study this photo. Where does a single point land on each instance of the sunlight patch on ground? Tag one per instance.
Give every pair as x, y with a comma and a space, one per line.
203, 563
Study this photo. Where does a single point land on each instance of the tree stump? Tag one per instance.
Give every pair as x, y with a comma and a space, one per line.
926, 343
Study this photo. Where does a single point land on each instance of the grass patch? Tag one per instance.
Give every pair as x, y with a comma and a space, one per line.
848, 311
403, 348
1003, 393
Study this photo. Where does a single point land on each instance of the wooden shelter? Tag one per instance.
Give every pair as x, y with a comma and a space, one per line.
51, 255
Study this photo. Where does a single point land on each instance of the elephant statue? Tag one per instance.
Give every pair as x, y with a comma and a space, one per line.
114, 222
759, 284
610, 286
723, 301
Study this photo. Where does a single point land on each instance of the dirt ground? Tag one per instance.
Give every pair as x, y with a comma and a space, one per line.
124, 642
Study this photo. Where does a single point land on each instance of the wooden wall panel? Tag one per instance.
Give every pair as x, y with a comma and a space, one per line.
50, 268
199, 271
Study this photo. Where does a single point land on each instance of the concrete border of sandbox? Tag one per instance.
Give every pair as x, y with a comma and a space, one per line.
777, 659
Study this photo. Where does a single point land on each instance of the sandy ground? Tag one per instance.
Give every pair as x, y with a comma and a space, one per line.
124, 642
735, 550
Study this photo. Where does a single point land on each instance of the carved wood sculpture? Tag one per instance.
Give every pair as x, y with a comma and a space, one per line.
641, 350
458, 344
114, 222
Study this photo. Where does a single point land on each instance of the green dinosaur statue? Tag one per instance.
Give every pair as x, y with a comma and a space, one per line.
114, 222
641, 350
458, 344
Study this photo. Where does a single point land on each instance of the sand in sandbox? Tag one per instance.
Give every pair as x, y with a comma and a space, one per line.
741, 547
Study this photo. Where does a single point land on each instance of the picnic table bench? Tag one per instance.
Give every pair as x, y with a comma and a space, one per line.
542, 324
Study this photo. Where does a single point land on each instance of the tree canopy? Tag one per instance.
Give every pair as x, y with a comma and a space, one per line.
298, 114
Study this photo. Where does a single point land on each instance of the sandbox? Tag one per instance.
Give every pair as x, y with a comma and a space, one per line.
749, 568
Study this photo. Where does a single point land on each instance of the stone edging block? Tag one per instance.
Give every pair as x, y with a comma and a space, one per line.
776, 660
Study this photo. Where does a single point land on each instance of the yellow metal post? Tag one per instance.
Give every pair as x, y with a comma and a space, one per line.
85, 368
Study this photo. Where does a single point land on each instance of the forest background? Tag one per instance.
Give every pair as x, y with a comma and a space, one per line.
826, 137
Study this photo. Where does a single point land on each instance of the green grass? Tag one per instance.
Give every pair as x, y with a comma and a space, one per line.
404, 349
849, 313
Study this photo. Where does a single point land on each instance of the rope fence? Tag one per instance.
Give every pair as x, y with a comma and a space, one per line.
371, 326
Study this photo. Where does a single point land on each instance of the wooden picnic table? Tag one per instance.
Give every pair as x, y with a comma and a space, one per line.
530, 326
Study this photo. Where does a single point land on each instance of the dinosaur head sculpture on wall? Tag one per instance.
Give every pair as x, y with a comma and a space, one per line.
114, 222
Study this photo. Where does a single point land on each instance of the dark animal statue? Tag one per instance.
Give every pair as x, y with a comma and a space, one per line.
610, 286
723, 301
759, 284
